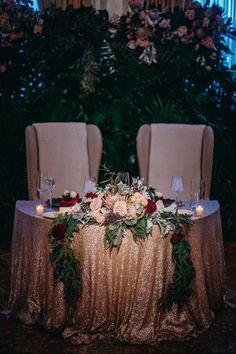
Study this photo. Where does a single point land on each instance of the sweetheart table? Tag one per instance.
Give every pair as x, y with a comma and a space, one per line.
120, 289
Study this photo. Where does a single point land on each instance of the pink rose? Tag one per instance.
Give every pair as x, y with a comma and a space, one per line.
96, 204
142, 43
120, 208
182, 31
208, 42
140, 33
131, 44
190, 14
206, 22
115, 18
37, 29
165, 24
142, 15
136, 4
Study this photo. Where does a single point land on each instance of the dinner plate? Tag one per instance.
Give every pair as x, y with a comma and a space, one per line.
50, 214
185, 212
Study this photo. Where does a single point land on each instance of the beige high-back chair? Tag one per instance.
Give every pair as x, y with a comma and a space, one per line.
165, 150
71, 151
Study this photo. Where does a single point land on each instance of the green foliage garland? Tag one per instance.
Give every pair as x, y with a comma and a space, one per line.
66, 227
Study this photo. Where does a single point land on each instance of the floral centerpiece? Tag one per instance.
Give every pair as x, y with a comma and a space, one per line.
118, 207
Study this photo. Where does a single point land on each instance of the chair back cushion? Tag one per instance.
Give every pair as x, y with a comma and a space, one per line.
175, 149
63, 153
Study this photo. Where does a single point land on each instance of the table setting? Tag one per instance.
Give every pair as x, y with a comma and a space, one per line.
122, 263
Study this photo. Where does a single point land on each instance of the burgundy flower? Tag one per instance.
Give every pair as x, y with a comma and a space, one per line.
58, 232
91, 195
175, 238
151, 206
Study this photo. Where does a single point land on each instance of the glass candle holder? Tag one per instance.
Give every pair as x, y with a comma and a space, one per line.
39, 209
199, 210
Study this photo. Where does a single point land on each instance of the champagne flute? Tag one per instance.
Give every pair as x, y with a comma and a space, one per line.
177, 187
50, 183
41, 185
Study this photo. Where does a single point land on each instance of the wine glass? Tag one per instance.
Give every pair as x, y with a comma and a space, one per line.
197, 190
177, 187
50, 183
124, 177
41, 185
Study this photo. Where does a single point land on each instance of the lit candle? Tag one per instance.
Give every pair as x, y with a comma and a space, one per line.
39, 209
199, 209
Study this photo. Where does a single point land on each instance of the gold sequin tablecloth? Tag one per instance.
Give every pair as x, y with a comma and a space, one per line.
120, 290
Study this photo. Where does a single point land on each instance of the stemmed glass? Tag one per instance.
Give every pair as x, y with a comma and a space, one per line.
177, 187
50, 183
41, 185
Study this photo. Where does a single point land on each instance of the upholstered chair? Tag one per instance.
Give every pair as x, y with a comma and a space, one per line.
70, 151
165, 150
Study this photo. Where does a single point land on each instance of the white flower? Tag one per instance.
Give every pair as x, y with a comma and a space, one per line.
149, 55
66, 192
120, 208
73, 194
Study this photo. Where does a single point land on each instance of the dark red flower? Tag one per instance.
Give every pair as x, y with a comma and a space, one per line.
151, 206
59, 231
91, 195
175, 238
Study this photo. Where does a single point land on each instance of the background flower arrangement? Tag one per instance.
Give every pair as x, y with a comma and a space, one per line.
117, 208
198, 29
80, 69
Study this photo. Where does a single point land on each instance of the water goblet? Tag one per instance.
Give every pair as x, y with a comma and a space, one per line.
50, 183
41, 185
177, 187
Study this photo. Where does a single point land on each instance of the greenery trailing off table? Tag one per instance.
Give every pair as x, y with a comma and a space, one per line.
118, 207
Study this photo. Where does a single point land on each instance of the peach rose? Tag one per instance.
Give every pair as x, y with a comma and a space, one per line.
142, 43
120, 208
96, 204
100, 218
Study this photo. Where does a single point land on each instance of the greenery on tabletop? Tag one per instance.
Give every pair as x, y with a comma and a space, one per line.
117, 208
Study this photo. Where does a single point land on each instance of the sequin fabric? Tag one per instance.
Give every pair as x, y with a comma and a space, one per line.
120, 289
